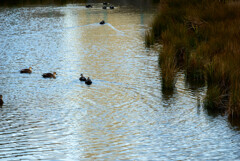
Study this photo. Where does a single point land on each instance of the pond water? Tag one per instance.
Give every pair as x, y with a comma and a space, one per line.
123, 115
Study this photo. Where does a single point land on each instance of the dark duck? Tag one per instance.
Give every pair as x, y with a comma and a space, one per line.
88, 81
82, 78
29, 70
1, 100
102, 22
88, 6
49, 75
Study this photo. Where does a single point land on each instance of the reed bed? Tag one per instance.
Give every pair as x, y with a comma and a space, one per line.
202, 37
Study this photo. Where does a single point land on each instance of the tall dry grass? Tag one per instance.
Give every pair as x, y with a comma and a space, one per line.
168, 68
202, 37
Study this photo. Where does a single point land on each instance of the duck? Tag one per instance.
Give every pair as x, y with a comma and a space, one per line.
49, 75
29, 70
1, 101
82, 78
88, 81
88, 6
105, 3
111, 7
102, 22
104, 7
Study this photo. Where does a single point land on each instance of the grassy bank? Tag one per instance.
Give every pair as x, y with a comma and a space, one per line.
202, 37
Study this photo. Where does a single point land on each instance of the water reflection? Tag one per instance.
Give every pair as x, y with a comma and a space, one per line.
124, 114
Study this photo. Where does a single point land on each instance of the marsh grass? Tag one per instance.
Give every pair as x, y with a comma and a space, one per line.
234, 103
195, 68
168, 68
202, 37
213, 98
149, 40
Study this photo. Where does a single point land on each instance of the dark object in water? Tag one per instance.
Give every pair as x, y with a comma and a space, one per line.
29, 70
49, 75
82, 78
104, 7
88, 6
88, 81
105, 3
1, 101
102, 22
111, 7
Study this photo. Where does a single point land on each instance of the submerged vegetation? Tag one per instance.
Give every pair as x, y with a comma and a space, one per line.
202, 37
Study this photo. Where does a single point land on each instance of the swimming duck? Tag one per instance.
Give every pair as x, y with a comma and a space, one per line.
1, 101
102, 22
49, 75
88, 81
105, 3
88, 6
104, 7
82, 78
29, 70
111, 7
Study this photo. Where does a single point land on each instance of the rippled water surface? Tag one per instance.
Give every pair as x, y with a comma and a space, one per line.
123, 115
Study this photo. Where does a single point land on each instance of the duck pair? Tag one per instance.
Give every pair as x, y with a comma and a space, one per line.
105, 4
105, 7
44, 75
87, 81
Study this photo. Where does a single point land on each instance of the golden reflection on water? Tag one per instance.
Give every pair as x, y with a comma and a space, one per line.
103, 55
102, 50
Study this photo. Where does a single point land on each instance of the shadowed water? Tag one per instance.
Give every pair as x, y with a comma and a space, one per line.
123, 115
